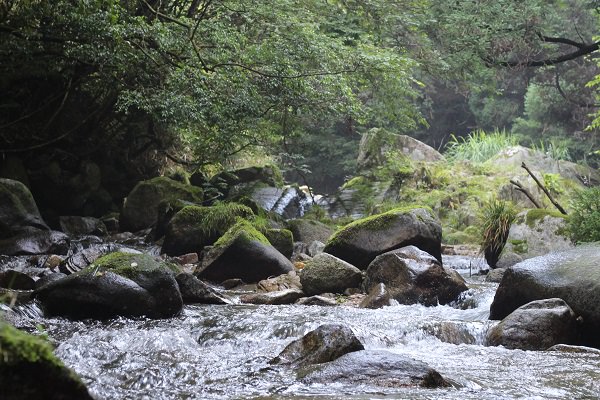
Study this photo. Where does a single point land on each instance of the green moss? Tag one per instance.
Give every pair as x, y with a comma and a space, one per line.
537, 214
460, 237
244, 230
211, 220
519, 246
17, 347
127, 264
375, 222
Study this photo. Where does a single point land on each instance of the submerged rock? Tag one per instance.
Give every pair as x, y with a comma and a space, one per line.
377, 297
243, 253
286, 296
361, 241
193, 290
117, 284
572, 275
324, 344
377, 368
537, 325
326, 273
413, 276
317, 301
30, 370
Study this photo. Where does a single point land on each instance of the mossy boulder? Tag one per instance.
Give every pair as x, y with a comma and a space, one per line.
537, 325
328, 274
140, 208
244, 253
18, 210
30, 370
308, 230
117, 284
361, 241
194, 227
413, 276
282, 240
572, 275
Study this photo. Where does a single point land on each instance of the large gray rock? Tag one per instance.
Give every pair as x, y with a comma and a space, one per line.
324, 344
537, 325
361, 241
30, 370
117, 284
308, 230
572, 275
414, 276
140, 209
75, 225
377, 145
291, 280
243, 253
326, 273
193, 291
374, 367
35, 241
286, 296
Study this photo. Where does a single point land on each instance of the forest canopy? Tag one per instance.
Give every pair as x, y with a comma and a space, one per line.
198, 82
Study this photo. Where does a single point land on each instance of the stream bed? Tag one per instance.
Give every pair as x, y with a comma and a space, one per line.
223, 352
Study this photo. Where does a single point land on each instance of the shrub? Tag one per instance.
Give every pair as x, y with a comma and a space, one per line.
497, 217
479, 146
584, 220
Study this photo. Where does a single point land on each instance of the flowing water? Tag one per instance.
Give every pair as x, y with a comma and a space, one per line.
222, 352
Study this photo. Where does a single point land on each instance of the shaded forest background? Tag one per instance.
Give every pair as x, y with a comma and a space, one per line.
98, 94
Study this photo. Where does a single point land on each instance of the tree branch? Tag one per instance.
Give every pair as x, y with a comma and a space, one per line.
582, 51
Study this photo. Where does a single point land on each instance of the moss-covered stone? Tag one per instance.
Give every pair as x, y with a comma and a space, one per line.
242, 230
282, 240
30, 370
538, 214
128, 265
18, 210
194, 227
140, 209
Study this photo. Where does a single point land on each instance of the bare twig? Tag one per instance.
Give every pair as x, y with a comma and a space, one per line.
522, 189
541, 185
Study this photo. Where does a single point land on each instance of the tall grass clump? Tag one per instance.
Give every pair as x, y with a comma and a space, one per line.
584, 218
497, 217
479, 146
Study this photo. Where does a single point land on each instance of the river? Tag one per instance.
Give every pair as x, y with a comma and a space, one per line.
222, 352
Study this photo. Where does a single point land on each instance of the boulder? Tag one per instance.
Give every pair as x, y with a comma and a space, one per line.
315, 247
117, 284
194, 227
18, 210
286, 296
326, 273
282, 240
12, 279
572, 275
316, 301
495, 275
414, 276
377, 297
361, 241
83, 258
537, 325
244, 253
35, 241
308, 230
79, 226
140, 208
377, 145
324, 344
30, 370
193, 291
291, 280
376, 368
535, 233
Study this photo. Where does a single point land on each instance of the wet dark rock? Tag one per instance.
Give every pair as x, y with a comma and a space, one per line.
307, 230
286, 296
232, 283
117, 284
291, 280
377, 297
18, 210
374, 367
11, 279
326, 273
30, 370
537, 325
35, 241
455, 332
76, 226
413, 276
495, 275
316, 301
49, 278
567, 348
193, 290
243, 253
572, 275
361, 241
11, 297
324, 344
140, 209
